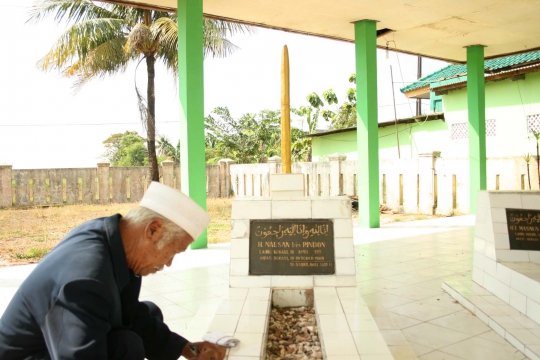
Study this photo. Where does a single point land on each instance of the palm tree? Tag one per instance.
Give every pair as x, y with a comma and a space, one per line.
103, 39
165, 147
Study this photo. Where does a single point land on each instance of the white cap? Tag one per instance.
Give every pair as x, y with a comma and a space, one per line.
177, 207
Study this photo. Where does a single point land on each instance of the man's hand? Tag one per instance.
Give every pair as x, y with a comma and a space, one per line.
207, 351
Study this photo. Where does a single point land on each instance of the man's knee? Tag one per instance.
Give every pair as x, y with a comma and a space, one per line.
125, 345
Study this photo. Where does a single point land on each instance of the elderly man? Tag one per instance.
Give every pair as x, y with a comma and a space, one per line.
81, 301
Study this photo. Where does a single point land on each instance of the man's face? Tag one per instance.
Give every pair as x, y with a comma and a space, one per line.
154, 259
151, 259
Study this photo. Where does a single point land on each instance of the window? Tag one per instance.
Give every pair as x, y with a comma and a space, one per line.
461, 130
491, 127
533, 123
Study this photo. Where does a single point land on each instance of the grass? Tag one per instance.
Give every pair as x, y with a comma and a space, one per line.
29, 234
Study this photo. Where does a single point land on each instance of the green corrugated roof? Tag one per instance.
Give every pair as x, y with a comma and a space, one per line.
460, 71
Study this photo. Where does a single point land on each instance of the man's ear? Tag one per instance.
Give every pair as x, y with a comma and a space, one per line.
154, 230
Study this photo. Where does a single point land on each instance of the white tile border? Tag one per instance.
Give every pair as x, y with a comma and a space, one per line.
491, 321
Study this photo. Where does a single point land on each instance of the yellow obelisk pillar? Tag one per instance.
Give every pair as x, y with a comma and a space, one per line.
285, 114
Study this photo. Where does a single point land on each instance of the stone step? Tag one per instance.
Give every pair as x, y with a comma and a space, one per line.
516, 328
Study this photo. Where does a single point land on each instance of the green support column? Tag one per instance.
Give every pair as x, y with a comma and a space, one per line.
365, 34
191, 82
476, 97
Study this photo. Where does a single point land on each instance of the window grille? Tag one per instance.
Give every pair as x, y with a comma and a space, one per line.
460, 131
491, 127
533, 123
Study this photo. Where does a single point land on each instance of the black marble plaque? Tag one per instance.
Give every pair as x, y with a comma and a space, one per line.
523, 229
291, 247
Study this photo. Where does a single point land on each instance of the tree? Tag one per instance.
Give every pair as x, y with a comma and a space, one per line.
103, 39
165, 148
344, 116
251, 139
126, 149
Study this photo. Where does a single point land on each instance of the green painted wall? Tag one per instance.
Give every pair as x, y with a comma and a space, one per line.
508, 103
413, 139
499, 93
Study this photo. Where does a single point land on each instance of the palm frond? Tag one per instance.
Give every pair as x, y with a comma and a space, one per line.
80, 39
167, 30
70, 10
105, 59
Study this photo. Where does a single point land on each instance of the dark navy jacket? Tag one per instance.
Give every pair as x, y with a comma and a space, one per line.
77, 294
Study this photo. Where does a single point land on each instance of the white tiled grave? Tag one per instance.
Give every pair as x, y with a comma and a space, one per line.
509, 277
346, 327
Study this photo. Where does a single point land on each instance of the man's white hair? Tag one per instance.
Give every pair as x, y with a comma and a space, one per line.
141, 215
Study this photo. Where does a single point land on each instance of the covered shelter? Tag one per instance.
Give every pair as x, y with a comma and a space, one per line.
461, 31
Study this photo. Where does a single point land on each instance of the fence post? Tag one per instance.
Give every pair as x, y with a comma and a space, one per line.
225, 177
168, 172
273, 164
335, 173
426, 170
6, 198
103, 181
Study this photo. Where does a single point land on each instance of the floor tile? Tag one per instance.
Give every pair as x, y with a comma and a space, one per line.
328, 306
169, 287
393, 337
444, 300
493, 336
418, 349
230, 307
353, 306
339, 344
380, 284
174, 311
358, 322
421, 311
478, 348
255, 307
403, 322
463, 322
433, 336
332, 323
250, 345
524, 336
369, 342
439, 355
224, 323
349, 357
385, 323
402, 352
386, 299
188, 295
252, 324
259, 294
413, 292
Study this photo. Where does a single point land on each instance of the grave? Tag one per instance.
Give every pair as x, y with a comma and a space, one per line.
506, 262
291, 250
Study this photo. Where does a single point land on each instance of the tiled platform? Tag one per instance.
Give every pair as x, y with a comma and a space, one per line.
400, 267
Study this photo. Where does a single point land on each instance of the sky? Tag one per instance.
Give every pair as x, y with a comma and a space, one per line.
43, 124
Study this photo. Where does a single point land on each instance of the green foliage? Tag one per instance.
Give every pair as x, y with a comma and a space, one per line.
32, 253
167, 151
344, 116
251, 139
127, 149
